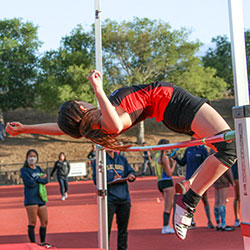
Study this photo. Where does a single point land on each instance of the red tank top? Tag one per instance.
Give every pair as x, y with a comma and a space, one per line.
143, 101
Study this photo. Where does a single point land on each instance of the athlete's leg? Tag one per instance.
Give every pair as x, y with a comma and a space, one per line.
66, 185
122, 219
216, 208
150, 168
223, 193
168, 194
207, 209
32, 212
237, 203
112, 208
61, 185
207, 122
43, 216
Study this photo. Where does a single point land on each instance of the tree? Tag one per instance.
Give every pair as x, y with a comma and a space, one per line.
18, 60
220, 58
202, 82
143, 50
64, 72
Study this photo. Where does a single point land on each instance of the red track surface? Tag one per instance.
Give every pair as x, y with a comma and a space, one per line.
73, 222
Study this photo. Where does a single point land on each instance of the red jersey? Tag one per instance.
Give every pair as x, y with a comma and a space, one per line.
143, 101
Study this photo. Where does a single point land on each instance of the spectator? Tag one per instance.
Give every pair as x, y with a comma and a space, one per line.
2, 131
237, 195
122, 153
164, 168
62, 168
92, 154
118, 172
147, 161
221, 187
193, 158
32, 176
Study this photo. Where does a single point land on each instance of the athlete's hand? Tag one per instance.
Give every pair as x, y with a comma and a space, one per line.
131, 177
95, 78
117, 177
172, 160
44, 176
14, 128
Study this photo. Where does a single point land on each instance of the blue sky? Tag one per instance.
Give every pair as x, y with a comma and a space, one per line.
57, 18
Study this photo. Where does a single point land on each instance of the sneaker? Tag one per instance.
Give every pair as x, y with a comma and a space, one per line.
210, 225
182, 216
46, 245
218, 228
237, 223
193, 225
182, 187
63, 198
167, 230
66, 195
227, 228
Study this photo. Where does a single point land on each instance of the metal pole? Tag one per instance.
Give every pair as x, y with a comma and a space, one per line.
241, 112
101, 178
207, 140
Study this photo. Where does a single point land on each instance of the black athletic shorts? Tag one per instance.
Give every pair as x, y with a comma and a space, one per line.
39, 205
181, 110
162, 184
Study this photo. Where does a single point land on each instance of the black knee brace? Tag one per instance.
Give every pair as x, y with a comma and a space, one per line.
226, 152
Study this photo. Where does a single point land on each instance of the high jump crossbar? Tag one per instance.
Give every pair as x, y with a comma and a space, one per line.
228, 136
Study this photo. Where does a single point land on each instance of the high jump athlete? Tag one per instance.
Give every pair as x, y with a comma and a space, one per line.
175, 107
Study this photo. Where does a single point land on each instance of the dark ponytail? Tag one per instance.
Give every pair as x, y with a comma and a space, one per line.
163, 141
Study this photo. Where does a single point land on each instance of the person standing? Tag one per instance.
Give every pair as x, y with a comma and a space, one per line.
192, 159
32, 176
92, 154
221, 188
119, 172
147, 161
2, 131
164, 168
62, 168
237, 195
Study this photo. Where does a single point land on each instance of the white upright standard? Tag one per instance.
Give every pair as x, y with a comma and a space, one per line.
241, 112
101, 173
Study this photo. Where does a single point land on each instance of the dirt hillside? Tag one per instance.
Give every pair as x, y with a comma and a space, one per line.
13, 149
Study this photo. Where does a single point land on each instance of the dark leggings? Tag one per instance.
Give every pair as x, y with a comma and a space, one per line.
63, 185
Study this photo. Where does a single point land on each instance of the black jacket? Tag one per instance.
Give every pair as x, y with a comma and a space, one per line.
62, 169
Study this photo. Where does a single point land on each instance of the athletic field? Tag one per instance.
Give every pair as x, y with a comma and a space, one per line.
73, 222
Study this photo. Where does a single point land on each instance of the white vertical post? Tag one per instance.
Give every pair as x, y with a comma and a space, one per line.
241, 112
101, 184
101, 178
238, 52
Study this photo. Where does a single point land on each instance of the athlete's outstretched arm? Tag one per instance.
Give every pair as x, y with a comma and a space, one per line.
16, 128
111, 120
